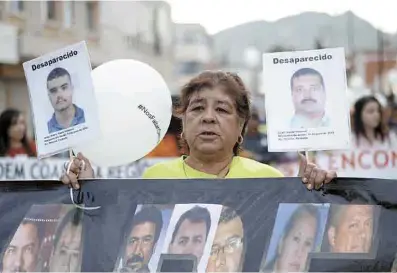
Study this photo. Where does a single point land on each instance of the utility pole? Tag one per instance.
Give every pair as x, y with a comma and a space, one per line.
381, 53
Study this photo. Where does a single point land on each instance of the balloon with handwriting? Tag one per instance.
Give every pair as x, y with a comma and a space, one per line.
135, 110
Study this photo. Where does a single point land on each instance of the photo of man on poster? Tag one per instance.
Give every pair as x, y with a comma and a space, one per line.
350, 229
191, 232
142, 240
22, 253
228, 249
60, 93
309, 98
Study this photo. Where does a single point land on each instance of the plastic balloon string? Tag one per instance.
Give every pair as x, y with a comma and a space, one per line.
71, 190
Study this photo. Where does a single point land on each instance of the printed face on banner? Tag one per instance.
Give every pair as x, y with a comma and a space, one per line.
311, 86
144, 238
21, 254
350, 229
227, 252
191, 232
67, 115
303, 232
298, 231
48, 239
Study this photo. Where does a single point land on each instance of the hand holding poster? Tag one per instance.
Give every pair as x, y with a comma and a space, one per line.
311, 87
63, 100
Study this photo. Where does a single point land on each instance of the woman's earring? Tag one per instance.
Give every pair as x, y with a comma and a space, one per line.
182, 136
240, 139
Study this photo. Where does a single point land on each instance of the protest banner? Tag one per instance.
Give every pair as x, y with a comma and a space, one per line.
52, 169
311, 87
363, 163
63, 100
375, 163
238, 225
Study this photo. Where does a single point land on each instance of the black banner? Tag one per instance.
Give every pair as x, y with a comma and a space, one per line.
250, 225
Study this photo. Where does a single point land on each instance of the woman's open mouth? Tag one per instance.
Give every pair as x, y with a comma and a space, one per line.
208, 135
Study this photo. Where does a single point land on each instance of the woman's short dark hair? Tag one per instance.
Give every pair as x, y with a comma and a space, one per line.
232, 83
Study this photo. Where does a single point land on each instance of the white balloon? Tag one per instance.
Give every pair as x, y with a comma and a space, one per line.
135, 110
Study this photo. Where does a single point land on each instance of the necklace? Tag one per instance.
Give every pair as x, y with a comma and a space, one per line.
226, 168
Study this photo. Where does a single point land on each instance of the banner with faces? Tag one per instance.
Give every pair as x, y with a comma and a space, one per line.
242, 225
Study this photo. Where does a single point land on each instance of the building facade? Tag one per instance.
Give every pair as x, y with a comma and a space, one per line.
140, 30
193, 53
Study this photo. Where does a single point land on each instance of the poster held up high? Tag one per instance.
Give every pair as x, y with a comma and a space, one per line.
63, 100
312, 90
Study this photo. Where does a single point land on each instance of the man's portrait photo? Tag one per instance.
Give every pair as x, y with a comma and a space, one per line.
22, 253
60, 93
309, 99
228, 248
191, 232
142, 238
350, 229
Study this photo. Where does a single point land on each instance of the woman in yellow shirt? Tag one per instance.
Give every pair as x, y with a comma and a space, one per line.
215, 109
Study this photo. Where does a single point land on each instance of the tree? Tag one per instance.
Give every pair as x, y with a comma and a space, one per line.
318, 44
279, 48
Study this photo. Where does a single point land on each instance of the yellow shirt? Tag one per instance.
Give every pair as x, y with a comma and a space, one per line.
240, 168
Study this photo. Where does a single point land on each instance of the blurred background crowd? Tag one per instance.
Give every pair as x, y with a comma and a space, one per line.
147, 31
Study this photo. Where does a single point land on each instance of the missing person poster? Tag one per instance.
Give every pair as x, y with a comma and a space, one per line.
63, 99
311, 87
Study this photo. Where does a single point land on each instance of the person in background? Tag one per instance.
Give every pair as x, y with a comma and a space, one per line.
168, 146
215, 109
369, 130
13, 135
392, 106
255, 143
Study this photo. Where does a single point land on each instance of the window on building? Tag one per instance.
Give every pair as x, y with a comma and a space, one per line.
92, 15
187, 68
51, 10
68, 13
189, 38
16, 6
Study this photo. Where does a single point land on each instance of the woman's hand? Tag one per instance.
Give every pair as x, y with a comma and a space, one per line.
312, 176
79, 168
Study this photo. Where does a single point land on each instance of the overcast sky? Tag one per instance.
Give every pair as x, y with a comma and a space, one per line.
216, 15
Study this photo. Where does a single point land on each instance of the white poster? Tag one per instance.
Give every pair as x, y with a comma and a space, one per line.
306, 100
63, 99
